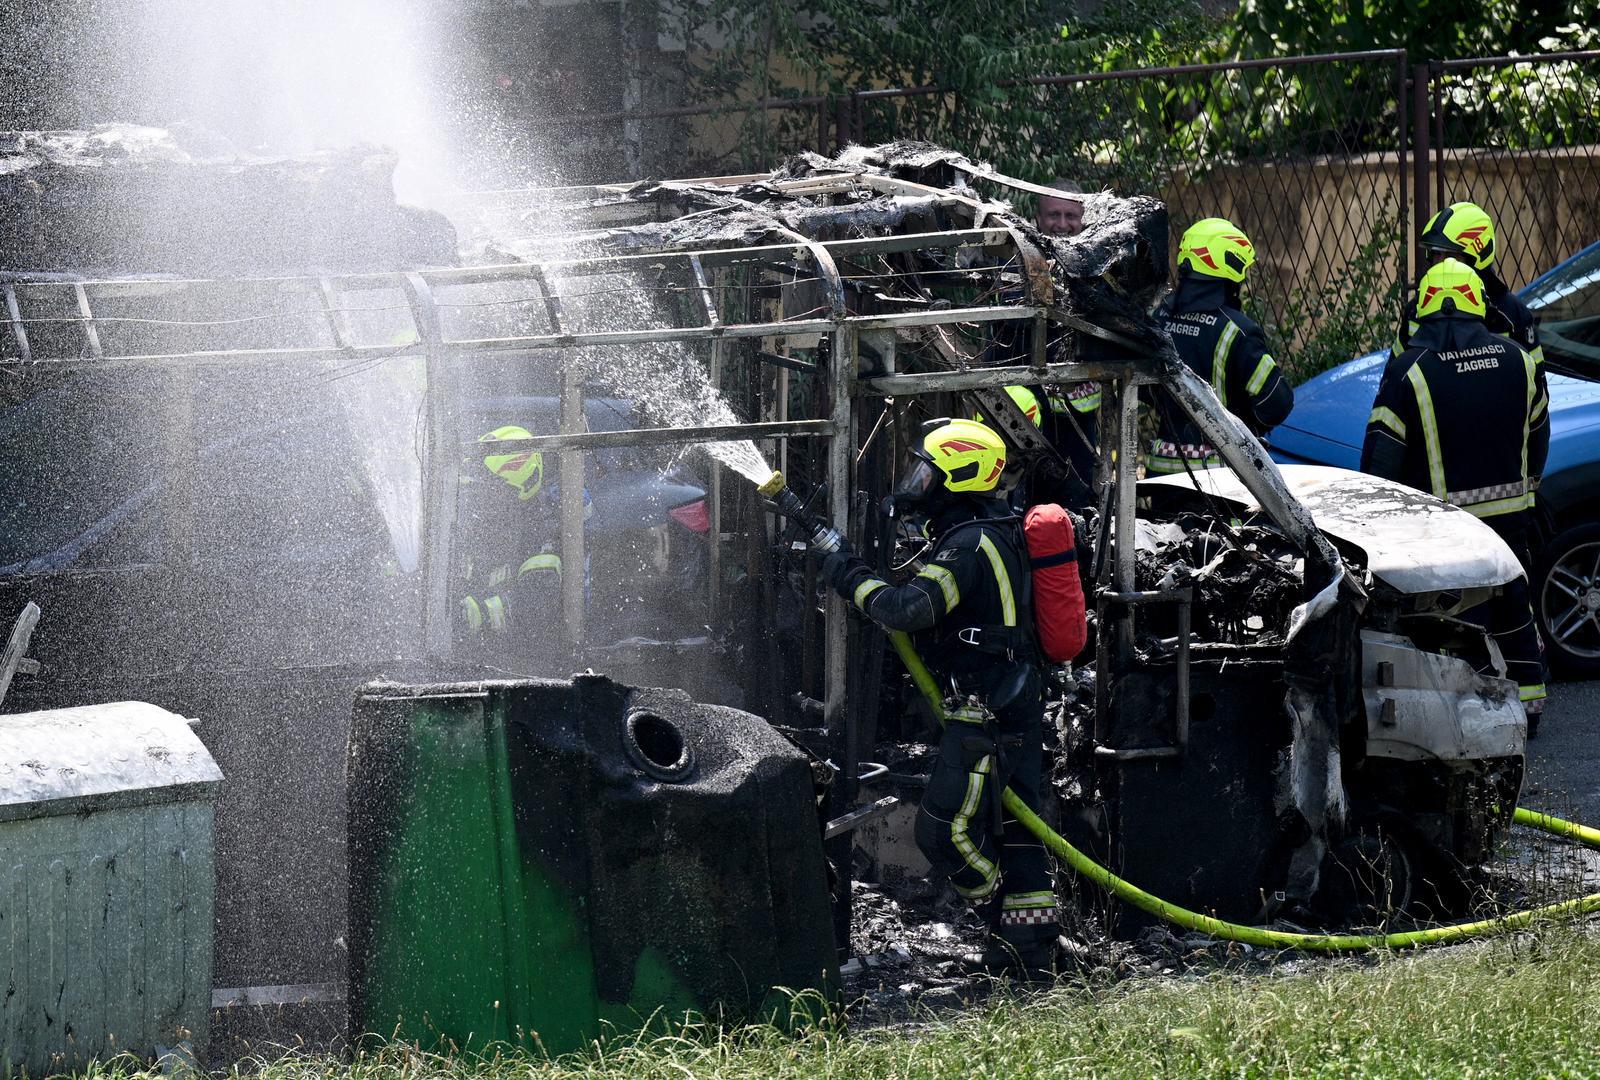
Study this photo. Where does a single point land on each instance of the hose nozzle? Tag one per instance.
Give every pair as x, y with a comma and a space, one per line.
774, 484
823, 538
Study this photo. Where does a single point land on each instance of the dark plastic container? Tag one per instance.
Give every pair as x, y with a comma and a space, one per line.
537, 861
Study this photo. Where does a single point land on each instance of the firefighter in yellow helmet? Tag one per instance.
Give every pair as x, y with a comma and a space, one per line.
511, 569
1219, 342
969, 605
1026, 400
1462, 413
1039, 486
1464, 231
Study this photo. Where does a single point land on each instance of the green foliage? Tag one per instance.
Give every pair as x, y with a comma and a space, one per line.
1528, 106
1355, 311
771, 50
1426, 29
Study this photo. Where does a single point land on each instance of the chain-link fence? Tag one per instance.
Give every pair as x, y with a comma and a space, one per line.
1520, 136
1332, 164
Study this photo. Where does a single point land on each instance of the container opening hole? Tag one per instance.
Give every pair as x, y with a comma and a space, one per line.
1202, 708
657, 746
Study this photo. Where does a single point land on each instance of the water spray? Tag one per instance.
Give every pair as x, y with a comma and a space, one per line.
824, 537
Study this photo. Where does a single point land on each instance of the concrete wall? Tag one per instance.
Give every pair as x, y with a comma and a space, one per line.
1309, 219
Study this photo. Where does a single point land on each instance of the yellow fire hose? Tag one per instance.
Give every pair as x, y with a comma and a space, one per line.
1253, 935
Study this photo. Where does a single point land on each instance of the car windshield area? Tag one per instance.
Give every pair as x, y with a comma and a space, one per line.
1568, 303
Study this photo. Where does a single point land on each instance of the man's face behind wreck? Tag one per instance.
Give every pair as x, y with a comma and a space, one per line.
1059, 217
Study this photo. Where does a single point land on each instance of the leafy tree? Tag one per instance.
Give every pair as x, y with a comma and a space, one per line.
1426, 29
969, 48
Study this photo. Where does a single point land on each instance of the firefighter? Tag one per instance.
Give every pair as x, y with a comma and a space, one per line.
1039, 485
1462, 413
1026, 401
512, 576
1220, 343
970, 604
1465, 231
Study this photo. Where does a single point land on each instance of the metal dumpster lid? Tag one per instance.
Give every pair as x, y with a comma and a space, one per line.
1414, 543
99, 756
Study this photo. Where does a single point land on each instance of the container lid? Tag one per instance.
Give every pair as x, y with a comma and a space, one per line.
95, 757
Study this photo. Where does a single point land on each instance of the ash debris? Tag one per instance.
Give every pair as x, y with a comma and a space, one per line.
1245, 579
909, 943
124, 199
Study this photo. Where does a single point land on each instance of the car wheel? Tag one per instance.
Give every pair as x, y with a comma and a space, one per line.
1567, 596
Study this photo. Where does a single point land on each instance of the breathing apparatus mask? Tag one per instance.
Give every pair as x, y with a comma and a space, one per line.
923, 483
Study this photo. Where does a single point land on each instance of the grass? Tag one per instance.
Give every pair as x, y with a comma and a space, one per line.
1527, 1005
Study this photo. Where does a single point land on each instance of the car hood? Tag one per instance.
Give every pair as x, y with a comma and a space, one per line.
1329, 419
1414, 543
1574, 420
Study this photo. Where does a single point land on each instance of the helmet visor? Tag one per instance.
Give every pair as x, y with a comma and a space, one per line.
911, 495
917, 483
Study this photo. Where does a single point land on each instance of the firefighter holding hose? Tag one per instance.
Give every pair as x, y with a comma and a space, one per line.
971, 607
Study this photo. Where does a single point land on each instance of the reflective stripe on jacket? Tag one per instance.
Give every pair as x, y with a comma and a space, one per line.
1461, 414
1227, 349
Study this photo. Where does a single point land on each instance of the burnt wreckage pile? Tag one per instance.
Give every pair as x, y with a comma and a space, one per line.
1233, 746
1283, 755
1262, 705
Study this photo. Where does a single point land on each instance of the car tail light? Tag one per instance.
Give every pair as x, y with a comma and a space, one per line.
695, 516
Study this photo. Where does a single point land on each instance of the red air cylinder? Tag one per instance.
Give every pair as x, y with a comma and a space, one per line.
1057, 590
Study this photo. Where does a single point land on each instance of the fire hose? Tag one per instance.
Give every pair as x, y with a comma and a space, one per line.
826, 539
1255, 935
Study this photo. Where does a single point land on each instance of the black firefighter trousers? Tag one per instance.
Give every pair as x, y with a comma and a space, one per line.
1509, 620
989, 857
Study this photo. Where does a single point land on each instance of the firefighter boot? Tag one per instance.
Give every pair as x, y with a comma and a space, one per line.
1036, 960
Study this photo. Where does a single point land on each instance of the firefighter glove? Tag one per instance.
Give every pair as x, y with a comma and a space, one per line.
842, 568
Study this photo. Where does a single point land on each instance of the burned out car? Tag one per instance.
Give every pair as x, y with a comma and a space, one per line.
1188, 785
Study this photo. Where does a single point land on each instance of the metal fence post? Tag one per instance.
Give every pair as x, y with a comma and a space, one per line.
1402, 138
1124, 526
842, 482
840, 719
1436, 84
441, 470
574, 571
1421, 128
719, 349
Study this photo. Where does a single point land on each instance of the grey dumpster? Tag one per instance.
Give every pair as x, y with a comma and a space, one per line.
106, 885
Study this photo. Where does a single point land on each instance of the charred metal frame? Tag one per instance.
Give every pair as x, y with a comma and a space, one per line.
845, 332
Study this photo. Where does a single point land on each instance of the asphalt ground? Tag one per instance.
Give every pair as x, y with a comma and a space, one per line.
1564, 760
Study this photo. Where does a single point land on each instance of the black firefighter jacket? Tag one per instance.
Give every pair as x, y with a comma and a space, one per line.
972, 592
1462, 414
1227, 349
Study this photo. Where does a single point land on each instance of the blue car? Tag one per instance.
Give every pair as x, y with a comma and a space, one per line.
1330, 419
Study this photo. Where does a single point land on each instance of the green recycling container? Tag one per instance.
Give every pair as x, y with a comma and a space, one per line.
107, 887
543, 862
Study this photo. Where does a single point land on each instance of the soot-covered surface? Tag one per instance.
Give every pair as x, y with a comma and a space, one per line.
1109, 274
123, 199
